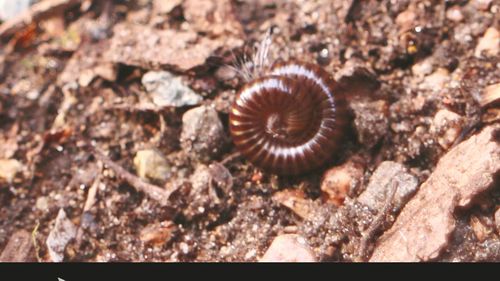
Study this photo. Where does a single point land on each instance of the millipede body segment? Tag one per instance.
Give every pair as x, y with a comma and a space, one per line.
290, 121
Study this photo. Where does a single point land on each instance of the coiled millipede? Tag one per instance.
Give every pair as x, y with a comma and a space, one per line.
291, 121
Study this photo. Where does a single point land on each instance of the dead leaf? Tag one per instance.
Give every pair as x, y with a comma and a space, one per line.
295, 200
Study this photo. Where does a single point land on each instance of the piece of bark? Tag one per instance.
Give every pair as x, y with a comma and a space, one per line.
424, 226
19, 248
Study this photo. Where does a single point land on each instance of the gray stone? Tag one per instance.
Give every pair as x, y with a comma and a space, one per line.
382, 181
10, 8
63, 232
371, 121
209, 194
167, 90
202, 136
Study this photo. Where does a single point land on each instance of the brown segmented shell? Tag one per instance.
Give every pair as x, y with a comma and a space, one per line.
290, 121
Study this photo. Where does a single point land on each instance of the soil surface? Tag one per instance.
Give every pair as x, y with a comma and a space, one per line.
115, 146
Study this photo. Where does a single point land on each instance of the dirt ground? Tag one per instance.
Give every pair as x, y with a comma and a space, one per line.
114, 139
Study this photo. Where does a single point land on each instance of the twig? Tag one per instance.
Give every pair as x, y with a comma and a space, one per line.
156, 140
154, 192
91, 196
35, 243
369, 233
135, 108
230, 158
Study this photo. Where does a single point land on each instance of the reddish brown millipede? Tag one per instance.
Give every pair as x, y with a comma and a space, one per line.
290, 121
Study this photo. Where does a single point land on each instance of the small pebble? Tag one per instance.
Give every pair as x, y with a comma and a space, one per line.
167, 90
9, 169
289, 248
209, 193
150, 163
339, 181
42, 203
422, 68
454, 14
202, 135
447, 126
436, 81
489, 43
382, 181
371, 121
